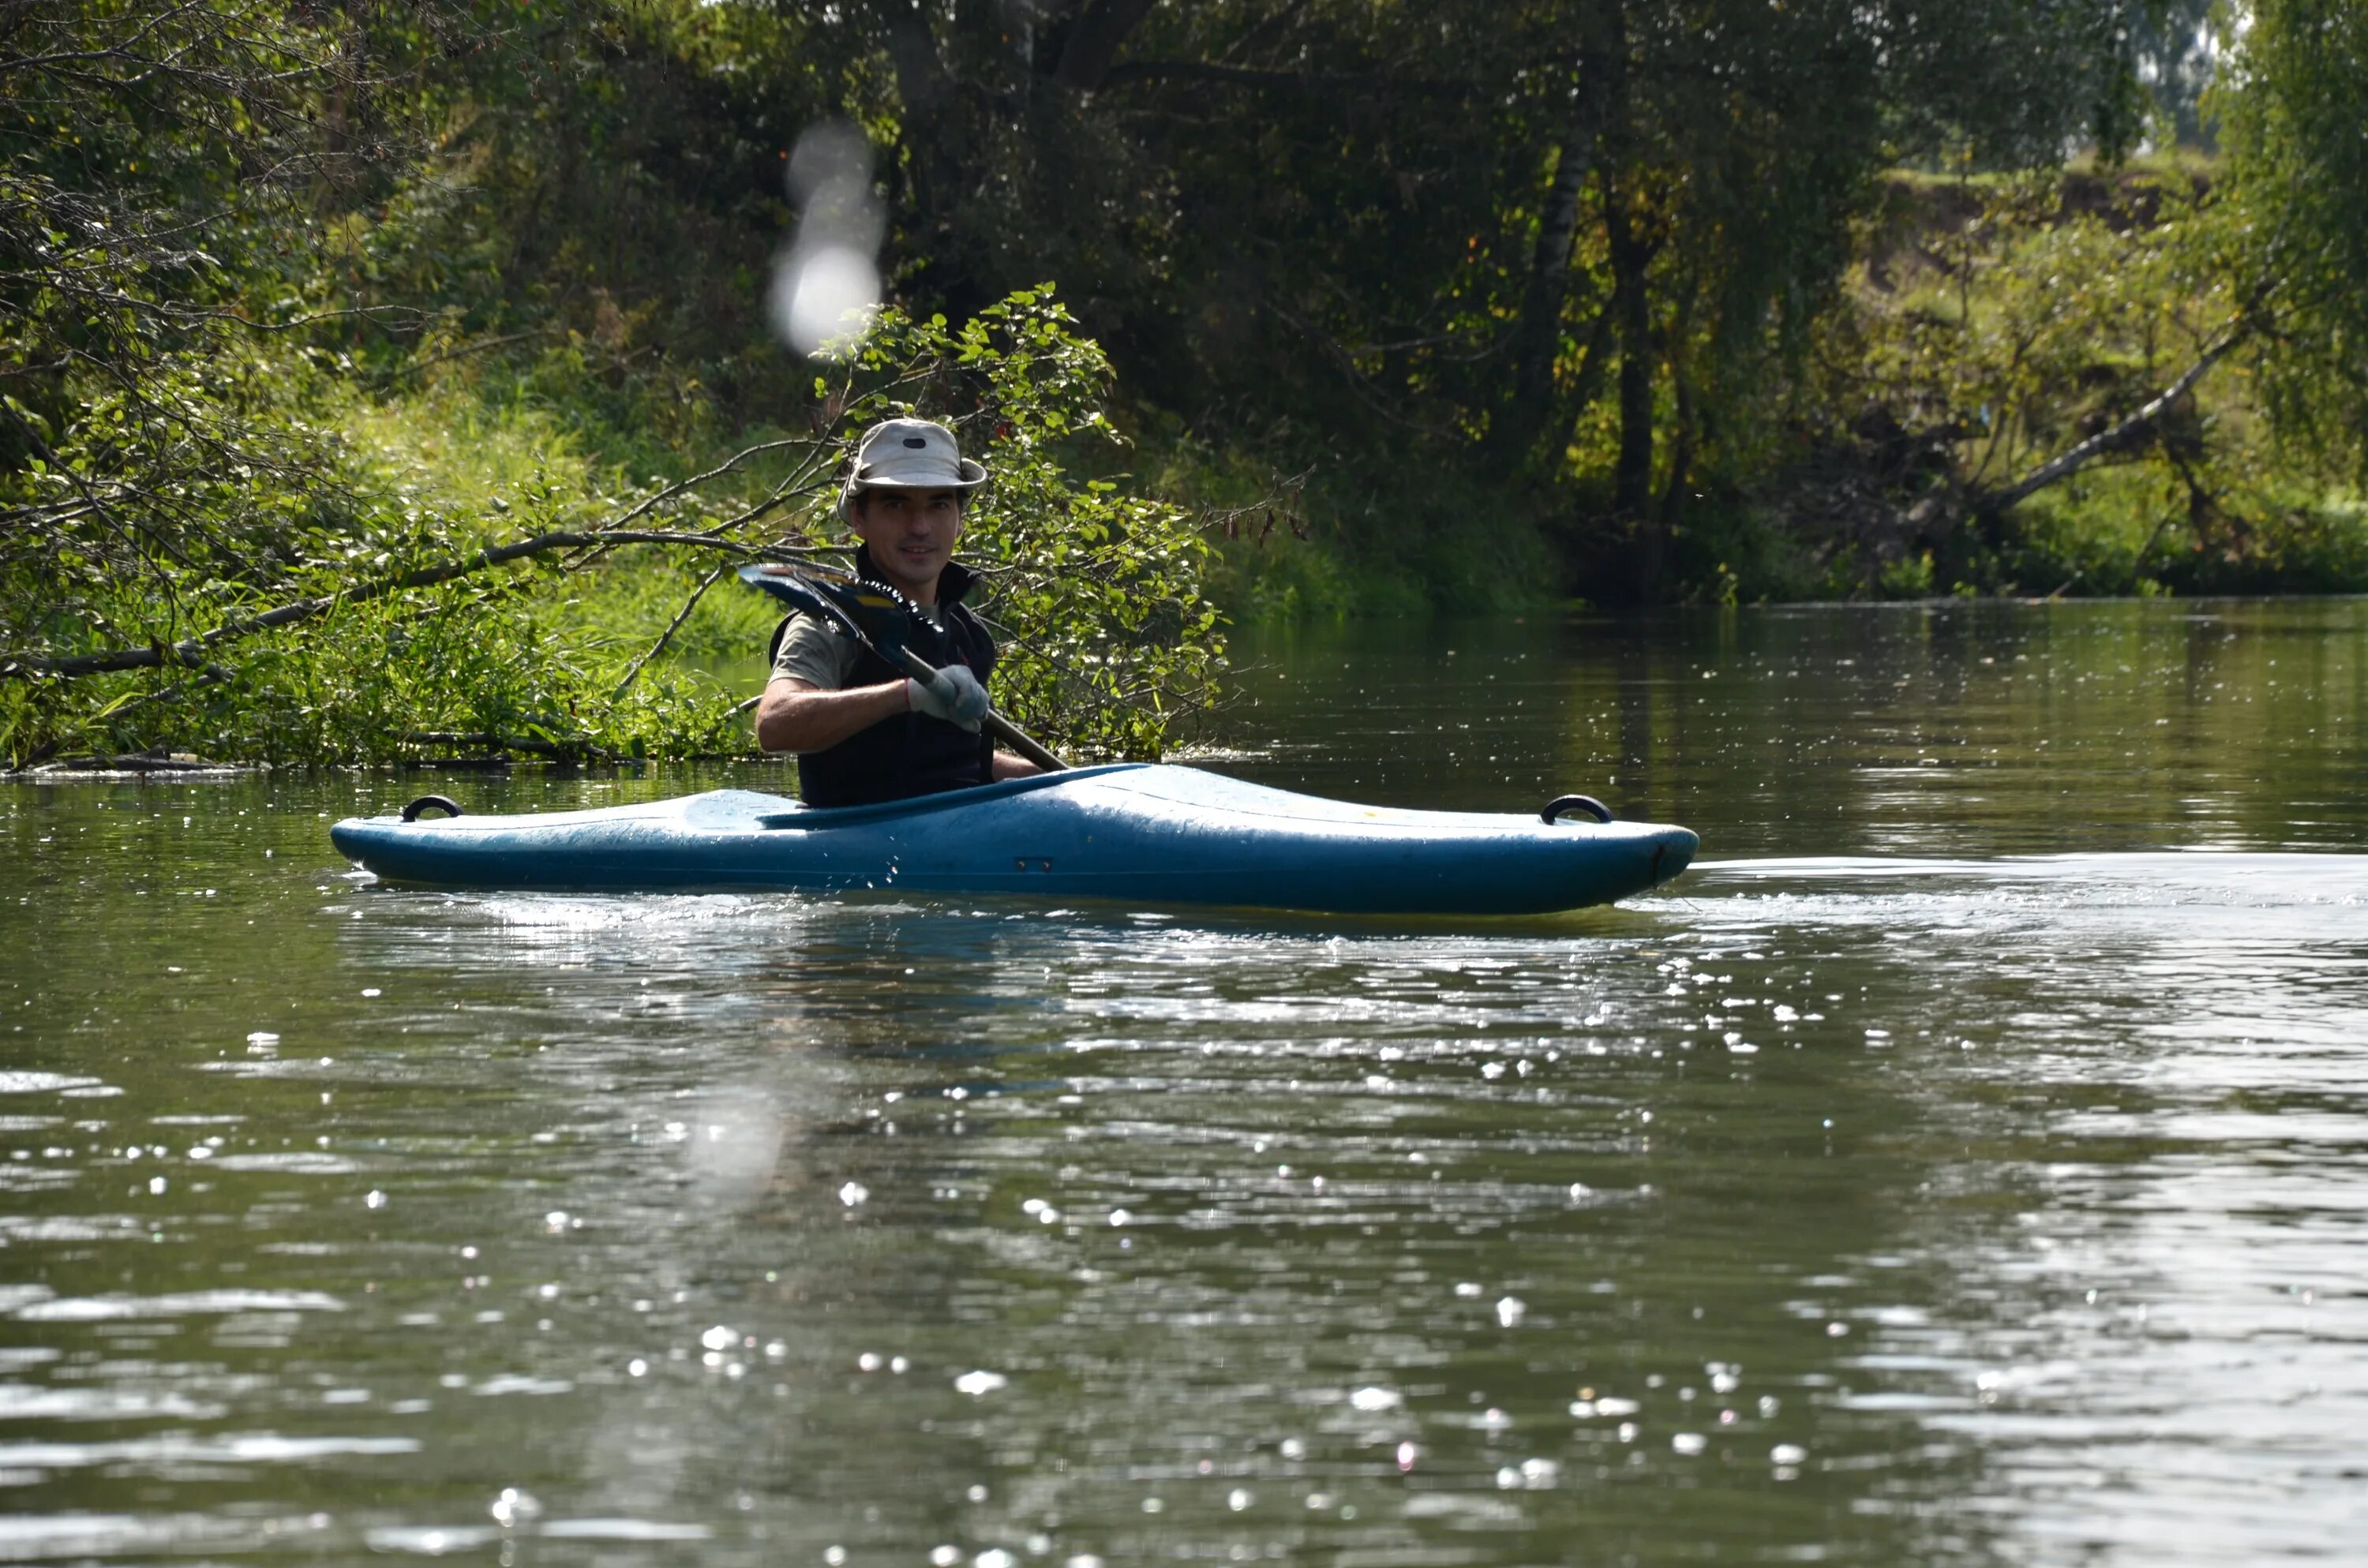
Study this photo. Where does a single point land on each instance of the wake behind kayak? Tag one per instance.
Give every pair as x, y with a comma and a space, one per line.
1148, 832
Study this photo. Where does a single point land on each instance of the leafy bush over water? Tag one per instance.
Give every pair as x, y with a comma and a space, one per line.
592, 645
314, 448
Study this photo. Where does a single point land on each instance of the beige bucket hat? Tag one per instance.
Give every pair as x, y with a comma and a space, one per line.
910, 454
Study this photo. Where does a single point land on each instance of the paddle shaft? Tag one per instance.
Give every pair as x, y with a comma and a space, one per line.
1001, 728
811, 596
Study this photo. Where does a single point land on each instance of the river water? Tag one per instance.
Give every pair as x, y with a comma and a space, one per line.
1964, 1164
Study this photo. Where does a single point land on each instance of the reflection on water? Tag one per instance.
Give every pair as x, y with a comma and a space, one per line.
1961, 1164
1980, 728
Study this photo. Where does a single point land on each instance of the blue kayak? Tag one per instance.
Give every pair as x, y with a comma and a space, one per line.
1144, 832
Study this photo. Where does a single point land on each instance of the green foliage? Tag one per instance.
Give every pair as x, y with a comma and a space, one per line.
1111, 647
488, 654
301, 317
1321, 227
1995, 323
494, 666
2035, 322
1406, 540
2292, 104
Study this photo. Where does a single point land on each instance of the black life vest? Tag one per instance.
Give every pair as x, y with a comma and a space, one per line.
909, 753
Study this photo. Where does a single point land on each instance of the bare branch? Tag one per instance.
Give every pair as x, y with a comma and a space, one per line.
464, 350
1273, 81
117, 51
2128, 433
654, 648
718, 472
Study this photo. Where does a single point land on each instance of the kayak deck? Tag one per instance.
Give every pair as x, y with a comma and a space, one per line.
1142, 831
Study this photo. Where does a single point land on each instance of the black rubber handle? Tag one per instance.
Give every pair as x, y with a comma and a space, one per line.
445, 803
1586, 803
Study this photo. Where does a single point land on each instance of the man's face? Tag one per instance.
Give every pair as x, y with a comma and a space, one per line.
911, 535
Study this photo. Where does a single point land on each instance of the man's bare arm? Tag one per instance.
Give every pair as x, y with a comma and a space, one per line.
1006, 766
796, 715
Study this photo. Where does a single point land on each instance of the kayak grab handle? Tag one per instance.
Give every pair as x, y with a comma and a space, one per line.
445, 803
1586, 803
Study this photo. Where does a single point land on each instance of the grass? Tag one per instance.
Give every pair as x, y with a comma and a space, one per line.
474, 449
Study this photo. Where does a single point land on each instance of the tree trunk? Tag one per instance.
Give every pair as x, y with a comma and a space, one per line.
934, 176
1539, 334
1632, 473
1681, 459
1683, 437
1633, 310
912, 52
1601, 77
2130, 432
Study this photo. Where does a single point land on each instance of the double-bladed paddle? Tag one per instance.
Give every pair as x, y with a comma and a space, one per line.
878, 617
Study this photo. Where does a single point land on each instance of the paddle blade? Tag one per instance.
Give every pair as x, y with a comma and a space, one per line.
879, 615
796, 590
885, 616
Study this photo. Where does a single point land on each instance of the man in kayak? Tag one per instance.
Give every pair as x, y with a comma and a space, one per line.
862, 729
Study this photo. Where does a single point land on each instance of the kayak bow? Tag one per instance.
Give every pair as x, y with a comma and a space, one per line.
1146, 832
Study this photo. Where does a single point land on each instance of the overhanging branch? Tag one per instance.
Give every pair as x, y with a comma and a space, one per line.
1273, 81
192, 651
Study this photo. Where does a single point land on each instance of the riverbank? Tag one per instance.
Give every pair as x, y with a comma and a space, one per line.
1984, 324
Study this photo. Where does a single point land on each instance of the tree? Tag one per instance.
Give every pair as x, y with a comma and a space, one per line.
1728, 146
2295, 215
1445, 223
2283, 240
167, 172
225, 228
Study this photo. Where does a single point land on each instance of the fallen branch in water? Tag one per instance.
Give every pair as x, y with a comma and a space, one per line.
561, 751
128, 762
192, 651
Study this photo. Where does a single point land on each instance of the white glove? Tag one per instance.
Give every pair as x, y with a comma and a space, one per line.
952, 694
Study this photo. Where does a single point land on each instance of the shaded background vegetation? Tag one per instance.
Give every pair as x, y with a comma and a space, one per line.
1453, 304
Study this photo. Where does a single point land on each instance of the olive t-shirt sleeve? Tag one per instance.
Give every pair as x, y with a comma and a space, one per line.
816, 653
